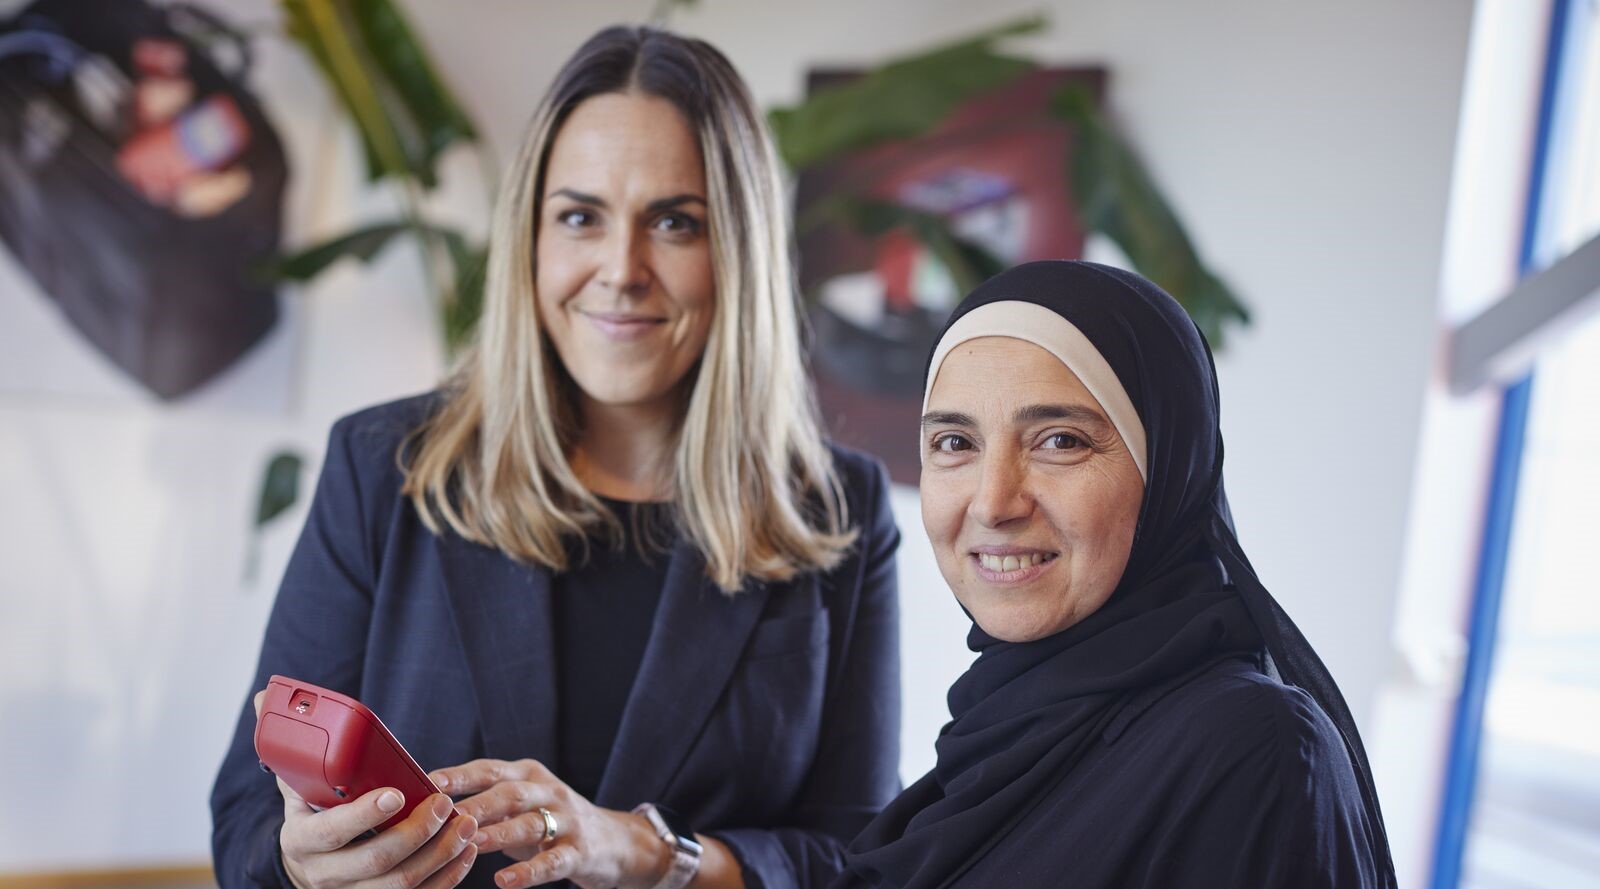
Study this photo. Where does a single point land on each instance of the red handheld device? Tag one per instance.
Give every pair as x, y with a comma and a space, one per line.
331, 749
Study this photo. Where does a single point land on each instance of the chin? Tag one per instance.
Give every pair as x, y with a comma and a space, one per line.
622, 389
1003, 622
1007, 632
1018, 631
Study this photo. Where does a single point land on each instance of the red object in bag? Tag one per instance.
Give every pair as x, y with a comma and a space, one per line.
156, 57
207, 137
331, 749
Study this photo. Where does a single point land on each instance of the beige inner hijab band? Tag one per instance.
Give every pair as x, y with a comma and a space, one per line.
1033, 323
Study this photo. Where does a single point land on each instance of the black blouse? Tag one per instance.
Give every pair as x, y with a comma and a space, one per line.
603, 610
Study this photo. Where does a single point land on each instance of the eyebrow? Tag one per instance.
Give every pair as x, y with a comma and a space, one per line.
654, 206
1033, 413
947, 418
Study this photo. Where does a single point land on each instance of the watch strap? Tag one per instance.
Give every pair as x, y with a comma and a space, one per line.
685, 851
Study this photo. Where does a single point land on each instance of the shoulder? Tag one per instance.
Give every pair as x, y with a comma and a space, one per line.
857, 469
864, 479
363, 449
1232, 715
383, 427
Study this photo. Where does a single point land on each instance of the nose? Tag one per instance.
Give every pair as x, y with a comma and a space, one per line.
625, 268
1002, 494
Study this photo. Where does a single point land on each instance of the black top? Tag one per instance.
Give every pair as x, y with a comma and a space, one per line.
602, 611
1223, 777
1184, 734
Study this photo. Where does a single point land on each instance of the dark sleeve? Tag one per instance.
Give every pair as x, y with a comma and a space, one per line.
1280, 808
316, 632
856, 771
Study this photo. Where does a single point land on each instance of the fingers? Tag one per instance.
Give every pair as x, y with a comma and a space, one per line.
454, 872
313, 832
293, 805
481, 774
525, 831
387, 850
508, 800
554, 863
404, 855
260, 696
403, 863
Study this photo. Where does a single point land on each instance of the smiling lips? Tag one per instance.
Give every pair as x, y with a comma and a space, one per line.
1010, 565
622, 327
1004, 564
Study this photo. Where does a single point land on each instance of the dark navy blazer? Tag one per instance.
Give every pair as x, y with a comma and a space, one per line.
769, 718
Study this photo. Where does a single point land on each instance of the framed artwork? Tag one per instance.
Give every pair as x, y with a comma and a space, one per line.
996, 170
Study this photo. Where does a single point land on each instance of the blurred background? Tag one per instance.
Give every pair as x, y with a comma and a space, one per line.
227, 223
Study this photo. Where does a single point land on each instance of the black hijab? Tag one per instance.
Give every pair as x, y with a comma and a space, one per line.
1025, 713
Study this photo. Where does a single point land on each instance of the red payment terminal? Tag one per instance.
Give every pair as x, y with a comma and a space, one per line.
331, 749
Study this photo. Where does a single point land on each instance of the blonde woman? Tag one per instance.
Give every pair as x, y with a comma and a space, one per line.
609, 583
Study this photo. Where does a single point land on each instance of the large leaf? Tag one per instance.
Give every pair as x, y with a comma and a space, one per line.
435, 114
968, 263
381, 74
1117, 197
363, 244
459, 308
903, 98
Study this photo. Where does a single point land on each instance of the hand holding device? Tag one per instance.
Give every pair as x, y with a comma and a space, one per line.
379, 812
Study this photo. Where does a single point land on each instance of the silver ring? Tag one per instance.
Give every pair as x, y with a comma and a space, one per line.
551, 827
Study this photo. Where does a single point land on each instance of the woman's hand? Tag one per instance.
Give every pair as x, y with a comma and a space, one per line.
324, 850
595, 848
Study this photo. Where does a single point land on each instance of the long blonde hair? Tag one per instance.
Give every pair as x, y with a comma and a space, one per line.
754, 485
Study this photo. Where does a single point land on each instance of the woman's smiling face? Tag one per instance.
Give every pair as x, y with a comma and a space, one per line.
1029, 495
624, 275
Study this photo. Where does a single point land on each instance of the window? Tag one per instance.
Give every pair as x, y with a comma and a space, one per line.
1535, 802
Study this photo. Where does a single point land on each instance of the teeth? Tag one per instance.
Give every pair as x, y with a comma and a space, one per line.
1010, 563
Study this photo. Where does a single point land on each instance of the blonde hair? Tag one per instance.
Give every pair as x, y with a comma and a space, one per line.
754, 486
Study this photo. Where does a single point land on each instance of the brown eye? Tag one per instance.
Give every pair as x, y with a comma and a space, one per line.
951, 443
678, 224
576, 218
1063, 441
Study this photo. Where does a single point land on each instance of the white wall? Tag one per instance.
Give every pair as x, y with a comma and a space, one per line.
1307, 146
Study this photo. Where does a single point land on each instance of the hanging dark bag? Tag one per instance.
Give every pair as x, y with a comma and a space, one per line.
110, 216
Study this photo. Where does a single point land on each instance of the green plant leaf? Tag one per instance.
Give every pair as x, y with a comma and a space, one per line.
461, 312
459, 309
280, 487
1117, 197
428, 105
661, 14
901, 99
363, 244
968, 263
382, 75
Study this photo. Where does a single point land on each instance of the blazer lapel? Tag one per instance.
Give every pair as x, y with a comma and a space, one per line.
503, 618
696, 641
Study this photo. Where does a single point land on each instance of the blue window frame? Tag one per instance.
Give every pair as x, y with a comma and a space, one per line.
1569, 58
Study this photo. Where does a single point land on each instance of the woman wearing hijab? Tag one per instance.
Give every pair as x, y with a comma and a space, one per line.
609, 583
1141, 712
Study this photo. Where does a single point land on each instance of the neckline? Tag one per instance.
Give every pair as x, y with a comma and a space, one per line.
615, 502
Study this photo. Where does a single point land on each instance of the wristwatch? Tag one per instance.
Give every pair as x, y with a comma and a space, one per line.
675, 832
